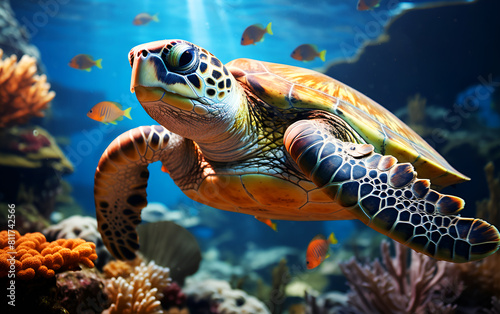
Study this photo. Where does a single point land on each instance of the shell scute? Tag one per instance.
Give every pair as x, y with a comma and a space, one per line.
291, 88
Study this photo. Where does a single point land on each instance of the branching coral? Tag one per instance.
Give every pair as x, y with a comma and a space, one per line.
139, 293
33, 256
23, 93
397, 288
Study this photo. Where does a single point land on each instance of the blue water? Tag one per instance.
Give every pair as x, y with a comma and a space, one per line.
62, 29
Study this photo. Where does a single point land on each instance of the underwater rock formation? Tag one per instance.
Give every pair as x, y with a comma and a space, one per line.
32, 164
216, 296
23, 93
14, 39
411, 61
141, 292
35, 257
81, 292
32, 147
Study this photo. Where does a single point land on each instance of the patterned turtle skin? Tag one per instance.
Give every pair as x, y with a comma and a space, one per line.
279, 142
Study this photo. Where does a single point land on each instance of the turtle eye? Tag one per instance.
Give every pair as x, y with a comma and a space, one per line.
182, 58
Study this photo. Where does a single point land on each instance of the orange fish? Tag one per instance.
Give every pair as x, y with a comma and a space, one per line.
308, 52
364, 5
84, 62
108, 112
255, 33
145, 18
318, 249
268, 222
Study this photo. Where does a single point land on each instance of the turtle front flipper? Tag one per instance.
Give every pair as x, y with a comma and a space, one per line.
387, 196
120, 184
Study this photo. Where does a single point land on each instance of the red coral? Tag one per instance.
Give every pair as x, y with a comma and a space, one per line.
28, 141
34, 256
173, 296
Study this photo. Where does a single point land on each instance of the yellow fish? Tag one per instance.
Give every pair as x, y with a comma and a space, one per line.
268, 222
84, 62
255, 33
317, 250
308, 52
108, 112
364, 5
145, 18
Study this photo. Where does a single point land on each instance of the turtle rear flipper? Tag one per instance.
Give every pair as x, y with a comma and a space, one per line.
387, 196
120, 185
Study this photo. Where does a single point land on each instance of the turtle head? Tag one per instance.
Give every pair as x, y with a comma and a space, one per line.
185, 88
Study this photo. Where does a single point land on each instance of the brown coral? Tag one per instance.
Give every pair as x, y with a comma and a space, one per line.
23, 93
141, 292
117, 268
33, 256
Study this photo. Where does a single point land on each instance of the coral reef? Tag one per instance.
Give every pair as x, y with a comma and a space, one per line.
280, 279
32, 147
174, 297
35, 257
329, 303
117, 268
398, 288
307, 281
81, 292
179, 249
23, 93
216, 296
33, 163
14, 38
489, 209
83, 227
140, 292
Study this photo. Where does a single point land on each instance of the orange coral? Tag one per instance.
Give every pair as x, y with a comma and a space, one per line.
34, 256
23, 93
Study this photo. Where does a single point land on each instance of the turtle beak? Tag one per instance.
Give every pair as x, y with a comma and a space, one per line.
134, 74
143, 68
144, 82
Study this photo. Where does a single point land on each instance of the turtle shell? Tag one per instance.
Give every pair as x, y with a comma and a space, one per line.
287, 87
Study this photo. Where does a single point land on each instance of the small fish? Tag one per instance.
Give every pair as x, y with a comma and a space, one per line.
84, 62
255, 33
145, 18
108, 112
364, 5
268, 222
317, 250
307, 52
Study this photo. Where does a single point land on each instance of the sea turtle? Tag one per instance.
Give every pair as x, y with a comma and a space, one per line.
278, 142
